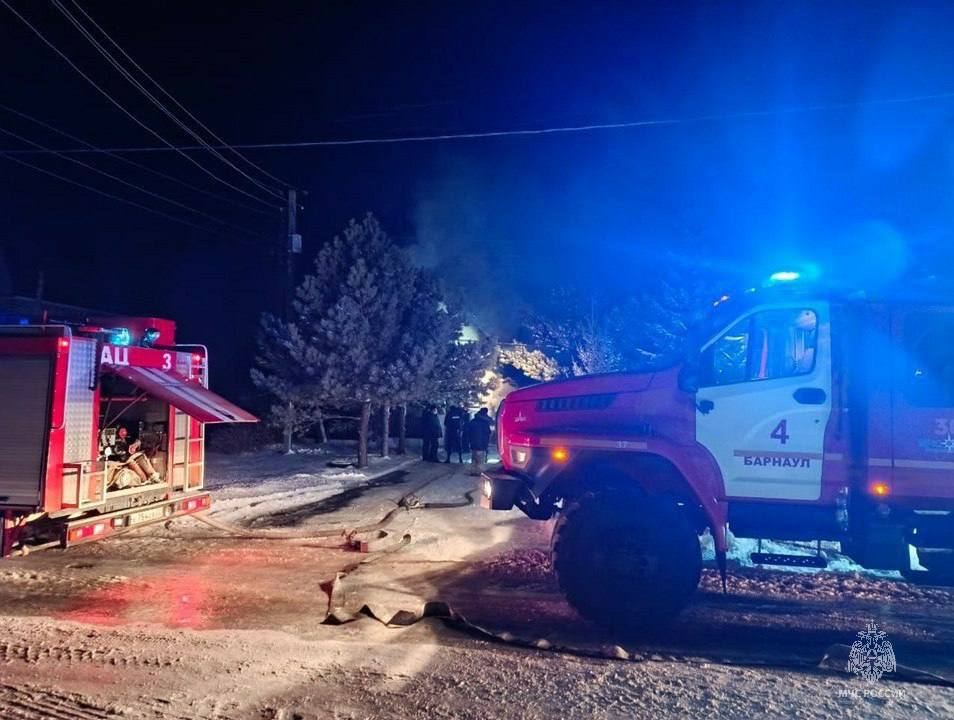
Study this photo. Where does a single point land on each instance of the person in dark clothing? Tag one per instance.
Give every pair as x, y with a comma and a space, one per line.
464, 422
430, 434
478, 436
453, 432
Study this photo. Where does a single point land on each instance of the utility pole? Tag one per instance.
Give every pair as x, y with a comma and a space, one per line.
292, 248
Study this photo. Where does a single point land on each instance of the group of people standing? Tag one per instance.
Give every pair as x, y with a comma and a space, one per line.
460, 433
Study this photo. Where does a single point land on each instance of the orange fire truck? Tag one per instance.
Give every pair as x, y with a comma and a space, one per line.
101, 424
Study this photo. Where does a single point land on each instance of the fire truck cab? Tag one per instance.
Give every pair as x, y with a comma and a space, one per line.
794, 415
101, 425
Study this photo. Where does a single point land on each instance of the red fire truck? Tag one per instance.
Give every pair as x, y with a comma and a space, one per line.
101, 426
794, 416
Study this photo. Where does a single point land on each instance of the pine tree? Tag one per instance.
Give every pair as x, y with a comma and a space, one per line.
596, 350
281, 373
367, 329
584, 335
533, 364
429, 361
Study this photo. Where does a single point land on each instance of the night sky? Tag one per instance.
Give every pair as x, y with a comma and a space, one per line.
787, 151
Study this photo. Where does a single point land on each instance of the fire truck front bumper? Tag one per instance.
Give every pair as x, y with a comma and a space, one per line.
502, 490
499, 489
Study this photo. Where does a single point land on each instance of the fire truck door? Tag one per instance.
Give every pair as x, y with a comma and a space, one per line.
765, 399
922, 405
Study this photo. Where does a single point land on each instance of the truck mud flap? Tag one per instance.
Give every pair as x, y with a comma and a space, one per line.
98, 527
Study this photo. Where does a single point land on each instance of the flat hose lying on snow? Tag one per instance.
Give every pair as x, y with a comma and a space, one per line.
834, 660
408, 502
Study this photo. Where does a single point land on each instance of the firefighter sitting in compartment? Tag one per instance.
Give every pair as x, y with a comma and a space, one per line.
135, 467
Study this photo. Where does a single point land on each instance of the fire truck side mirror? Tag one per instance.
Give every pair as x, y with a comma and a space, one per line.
689, 377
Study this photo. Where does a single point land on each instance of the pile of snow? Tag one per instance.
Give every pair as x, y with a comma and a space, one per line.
741, 549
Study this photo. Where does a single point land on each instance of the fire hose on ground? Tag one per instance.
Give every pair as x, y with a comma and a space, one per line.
407, 503
834, 659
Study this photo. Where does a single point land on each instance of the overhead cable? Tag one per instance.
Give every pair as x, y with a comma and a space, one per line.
21, 161
143, 190
126, 112
131, 163
174, 100
155, 101
535, 131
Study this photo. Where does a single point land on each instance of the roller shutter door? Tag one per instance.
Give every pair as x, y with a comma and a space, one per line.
24, 427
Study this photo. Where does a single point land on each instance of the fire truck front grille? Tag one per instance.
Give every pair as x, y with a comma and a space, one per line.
577, 402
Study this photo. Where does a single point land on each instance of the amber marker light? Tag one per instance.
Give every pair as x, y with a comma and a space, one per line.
560, 454
880, 489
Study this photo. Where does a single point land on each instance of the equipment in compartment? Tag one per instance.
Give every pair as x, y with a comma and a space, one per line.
103, 417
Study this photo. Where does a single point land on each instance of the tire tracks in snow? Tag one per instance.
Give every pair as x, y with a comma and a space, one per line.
30, 703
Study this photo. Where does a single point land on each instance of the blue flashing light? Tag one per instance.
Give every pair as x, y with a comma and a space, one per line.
784, 276
120, 336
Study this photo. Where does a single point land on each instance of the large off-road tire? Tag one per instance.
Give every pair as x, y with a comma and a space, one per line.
624, 561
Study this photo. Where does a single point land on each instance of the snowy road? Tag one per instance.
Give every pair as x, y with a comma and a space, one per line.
188, 623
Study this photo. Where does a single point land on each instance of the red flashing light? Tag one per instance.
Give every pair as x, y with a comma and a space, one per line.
63, 343
196, 358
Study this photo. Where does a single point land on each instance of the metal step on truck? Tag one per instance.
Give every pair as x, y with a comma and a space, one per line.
101, 424
794, 415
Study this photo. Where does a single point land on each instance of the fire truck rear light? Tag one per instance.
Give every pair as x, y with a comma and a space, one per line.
199, 503
880, 489
87, 531
64, 343
560, 454
197, 359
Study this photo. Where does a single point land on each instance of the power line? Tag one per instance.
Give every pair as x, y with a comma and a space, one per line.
133, 186
155, 101
536, 131
131, 163
173, 99
23, 162
126, 112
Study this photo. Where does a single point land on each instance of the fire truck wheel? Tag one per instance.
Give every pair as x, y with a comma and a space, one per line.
626, 562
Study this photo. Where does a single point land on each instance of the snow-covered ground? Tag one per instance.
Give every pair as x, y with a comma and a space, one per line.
741, 549
255, 484
190, 622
